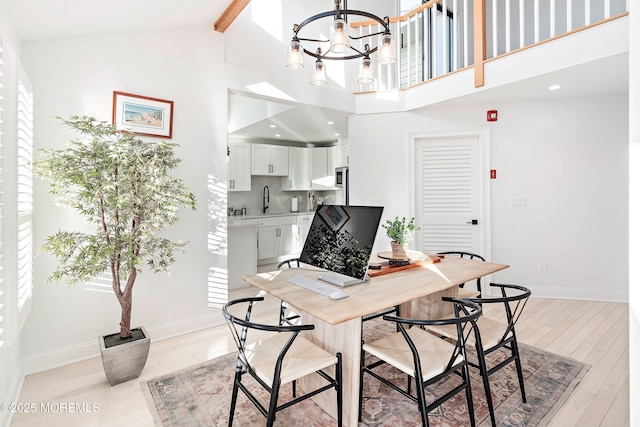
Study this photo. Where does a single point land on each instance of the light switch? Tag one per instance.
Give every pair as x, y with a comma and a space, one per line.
518, 202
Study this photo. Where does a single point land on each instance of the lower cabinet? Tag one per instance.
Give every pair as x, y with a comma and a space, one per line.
282, 236
276, 237
242, 253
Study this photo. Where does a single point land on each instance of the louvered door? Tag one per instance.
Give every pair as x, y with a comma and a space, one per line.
449, 194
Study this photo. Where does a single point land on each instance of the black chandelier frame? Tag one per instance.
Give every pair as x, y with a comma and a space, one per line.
344, 14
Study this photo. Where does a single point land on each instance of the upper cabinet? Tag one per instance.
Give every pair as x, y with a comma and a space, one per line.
269, 160
322, 177
298, 178
239, 167
341, 155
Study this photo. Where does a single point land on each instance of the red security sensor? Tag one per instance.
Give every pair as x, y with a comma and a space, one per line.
492, 115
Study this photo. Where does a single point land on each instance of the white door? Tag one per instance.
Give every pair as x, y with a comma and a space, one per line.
449, 194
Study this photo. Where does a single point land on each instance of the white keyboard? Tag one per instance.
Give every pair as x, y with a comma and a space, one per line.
313, 285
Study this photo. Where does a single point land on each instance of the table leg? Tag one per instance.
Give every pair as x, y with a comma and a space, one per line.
430, 306
345, 338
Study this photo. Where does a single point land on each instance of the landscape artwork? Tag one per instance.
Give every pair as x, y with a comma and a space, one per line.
143, 115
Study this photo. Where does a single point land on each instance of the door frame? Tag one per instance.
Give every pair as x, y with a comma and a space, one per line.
484, 142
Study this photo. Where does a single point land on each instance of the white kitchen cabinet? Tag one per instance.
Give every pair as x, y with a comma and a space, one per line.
303, 225
340, 155
242, 259
277, 236
239, 167
298, 178
320, 176
269, 160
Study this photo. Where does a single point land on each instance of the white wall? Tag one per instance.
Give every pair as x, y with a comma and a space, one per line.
568, 157
634, 211
78, 76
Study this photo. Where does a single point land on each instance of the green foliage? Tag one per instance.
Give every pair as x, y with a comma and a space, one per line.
120, 184
399, 230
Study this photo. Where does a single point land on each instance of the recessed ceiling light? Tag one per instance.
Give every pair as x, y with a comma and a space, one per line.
272, 126
329, 123
277, 135
336, 134
554, 87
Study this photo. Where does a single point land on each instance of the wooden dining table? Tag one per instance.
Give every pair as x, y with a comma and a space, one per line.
338, 323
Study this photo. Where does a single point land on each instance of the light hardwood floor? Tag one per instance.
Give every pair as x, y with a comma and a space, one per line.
593, 332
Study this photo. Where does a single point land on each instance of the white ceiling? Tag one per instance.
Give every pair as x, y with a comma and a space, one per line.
51, 19
36, 20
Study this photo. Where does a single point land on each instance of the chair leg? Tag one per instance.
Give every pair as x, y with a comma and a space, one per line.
234, 396
467, 380
482, 365
338, 375
516, 352
422, 403
273, 404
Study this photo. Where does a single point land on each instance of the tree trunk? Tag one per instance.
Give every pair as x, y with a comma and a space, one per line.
126, 301
125, 319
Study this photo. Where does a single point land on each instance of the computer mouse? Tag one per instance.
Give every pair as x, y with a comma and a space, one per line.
338, 294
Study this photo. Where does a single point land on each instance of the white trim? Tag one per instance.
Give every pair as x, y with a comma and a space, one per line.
75, 353
484, 151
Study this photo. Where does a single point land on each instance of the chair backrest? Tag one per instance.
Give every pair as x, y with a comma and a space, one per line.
289, 262
467, 255
462, 254
466, 313
514, 298
240, 327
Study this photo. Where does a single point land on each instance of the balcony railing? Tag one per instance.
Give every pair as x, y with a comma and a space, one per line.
443, 36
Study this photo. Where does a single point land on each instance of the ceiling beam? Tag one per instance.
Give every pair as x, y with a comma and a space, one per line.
229, 15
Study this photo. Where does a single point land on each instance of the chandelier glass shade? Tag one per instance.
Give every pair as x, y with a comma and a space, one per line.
341, 45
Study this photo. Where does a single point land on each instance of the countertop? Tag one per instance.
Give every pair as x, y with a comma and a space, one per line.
248, 220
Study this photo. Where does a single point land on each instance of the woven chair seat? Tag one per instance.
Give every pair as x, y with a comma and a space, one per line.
435, 353
303, 358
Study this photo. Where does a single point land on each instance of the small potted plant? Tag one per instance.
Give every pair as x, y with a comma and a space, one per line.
401, 232
121, 185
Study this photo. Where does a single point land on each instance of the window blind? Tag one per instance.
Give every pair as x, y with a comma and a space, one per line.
24, 129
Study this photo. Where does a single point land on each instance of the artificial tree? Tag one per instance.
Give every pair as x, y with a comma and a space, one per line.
120, 183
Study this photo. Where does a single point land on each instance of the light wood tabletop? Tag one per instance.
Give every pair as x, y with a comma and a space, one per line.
378, 293
338, 324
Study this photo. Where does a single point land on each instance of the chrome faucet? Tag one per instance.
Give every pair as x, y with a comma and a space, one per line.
265, 199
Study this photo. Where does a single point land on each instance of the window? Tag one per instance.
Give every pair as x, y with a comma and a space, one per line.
24, 128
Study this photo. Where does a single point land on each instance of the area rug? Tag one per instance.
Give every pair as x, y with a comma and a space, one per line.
199, 396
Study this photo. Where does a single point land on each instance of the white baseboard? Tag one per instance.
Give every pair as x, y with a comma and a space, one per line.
75, 353
611, 295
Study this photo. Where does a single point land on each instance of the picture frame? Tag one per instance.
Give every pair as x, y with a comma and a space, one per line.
334, 216
143, 115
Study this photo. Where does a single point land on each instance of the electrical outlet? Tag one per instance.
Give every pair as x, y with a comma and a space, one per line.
518, 202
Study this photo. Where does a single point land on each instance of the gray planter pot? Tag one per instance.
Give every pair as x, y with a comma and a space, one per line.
125, 362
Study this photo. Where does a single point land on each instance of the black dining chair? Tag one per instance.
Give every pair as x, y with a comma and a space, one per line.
287, 315
491, 335
283, 357
425, 358
464, 292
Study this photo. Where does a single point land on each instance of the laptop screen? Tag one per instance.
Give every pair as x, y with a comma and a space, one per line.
341, 238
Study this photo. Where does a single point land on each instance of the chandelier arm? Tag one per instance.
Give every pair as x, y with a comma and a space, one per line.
312, 40
343, 12
366, 35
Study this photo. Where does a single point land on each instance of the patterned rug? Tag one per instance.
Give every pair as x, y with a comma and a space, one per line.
200, 396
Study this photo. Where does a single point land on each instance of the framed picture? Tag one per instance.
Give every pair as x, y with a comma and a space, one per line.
143, 115
334, 216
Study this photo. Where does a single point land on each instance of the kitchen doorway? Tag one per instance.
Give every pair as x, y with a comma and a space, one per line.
452, 197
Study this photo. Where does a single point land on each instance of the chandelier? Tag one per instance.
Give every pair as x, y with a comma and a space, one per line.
338, 46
